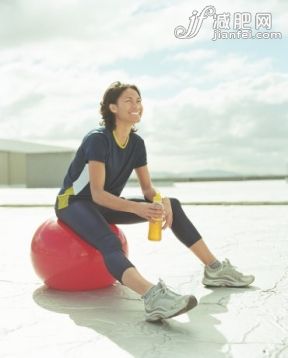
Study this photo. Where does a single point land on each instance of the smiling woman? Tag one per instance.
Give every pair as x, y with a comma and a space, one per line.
89, 201
130, 103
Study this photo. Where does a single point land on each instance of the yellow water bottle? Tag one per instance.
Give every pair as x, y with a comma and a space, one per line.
155, 227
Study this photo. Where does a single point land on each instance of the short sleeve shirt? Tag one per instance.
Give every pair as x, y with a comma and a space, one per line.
100, 145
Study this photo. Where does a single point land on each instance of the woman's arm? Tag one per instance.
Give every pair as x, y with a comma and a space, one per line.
148, 192
145, 182
100, 196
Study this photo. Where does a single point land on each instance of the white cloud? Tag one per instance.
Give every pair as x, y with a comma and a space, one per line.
235, 66
231, 124
194, 55
227, 110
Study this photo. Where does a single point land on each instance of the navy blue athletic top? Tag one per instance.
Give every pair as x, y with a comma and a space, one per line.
100, 145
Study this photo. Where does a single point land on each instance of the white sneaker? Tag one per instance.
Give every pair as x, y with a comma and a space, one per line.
227, 276
160, 303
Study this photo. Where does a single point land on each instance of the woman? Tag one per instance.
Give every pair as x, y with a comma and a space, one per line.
89, 201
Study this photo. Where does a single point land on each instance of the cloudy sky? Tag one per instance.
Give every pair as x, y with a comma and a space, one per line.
208, 105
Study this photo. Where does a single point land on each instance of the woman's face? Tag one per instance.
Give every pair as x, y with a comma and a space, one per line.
128, 107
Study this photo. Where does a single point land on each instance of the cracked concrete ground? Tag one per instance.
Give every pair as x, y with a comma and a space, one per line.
248, 322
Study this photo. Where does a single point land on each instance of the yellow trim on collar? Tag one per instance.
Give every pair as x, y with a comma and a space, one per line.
122, 146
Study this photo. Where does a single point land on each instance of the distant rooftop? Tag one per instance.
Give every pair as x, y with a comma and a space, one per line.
17, 146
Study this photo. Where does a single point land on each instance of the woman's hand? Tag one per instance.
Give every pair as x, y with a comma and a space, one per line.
168, 213
150, 211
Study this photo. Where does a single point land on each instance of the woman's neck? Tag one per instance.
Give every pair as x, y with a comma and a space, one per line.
122, 133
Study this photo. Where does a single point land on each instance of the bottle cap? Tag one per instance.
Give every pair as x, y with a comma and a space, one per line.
157, 198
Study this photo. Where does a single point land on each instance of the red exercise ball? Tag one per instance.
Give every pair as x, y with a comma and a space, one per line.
66, 262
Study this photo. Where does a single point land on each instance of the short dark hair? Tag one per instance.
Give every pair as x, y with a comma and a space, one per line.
111, 96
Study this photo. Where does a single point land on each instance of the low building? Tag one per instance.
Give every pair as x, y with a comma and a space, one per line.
33, 165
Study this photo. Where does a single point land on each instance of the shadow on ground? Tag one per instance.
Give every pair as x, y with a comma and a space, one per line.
117, 314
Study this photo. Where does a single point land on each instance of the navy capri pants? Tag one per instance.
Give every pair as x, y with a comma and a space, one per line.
91, 222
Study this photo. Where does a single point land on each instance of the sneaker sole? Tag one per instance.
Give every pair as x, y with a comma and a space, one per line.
222, 283
158, 316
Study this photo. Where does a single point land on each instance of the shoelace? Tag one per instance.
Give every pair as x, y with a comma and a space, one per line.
163, 287
159, 288
234, 272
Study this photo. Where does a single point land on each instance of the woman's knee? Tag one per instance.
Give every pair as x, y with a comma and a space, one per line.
175, 204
